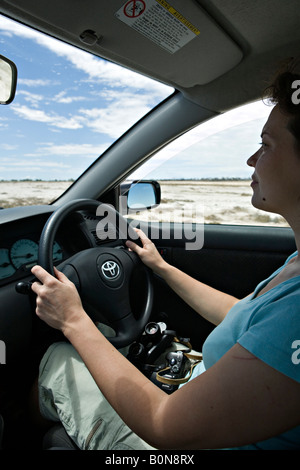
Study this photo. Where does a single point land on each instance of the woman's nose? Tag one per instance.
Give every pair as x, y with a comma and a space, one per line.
253, 159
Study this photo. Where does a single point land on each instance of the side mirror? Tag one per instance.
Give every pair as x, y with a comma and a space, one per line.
8, 80
143, 195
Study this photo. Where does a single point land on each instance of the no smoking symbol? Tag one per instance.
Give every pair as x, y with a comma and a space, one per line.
134, 8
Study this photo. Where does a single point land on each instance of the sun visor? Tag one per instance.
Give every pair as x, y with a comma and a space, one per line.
188, 47
176, 42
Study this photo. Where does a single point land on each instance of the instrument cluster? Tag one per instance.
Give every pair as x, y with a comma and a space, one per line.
22, 255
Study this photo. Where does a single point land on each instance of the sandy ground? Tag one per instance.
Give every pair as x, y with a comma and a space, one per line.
191, 201
21, 193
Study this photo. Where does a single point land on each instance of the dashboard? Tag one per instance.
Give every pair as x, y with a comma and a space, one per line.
20, 232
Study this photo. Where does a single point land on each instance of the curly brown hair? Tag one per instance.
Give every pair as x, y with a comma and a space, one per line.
281, 93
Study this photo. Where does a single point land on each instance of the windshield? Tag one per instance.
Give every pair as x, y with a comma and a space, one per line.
69, 107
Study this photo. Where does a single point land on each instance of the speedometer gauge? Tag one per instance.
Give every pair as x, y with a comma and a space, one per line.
6, 268
57, 252
24, 252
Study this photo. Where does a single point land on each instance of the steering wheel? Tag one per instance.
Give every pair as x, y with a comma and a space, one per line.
102, 274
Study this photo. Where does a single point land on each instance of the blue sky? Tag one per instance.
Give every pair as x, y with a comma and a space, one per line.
70, 107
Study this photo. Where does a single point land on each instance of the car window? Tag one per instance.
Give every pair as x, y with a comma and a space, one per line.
204, 176
68, 109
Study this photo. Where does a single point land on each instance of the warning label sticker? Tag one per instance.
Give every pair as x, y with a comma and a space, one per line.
159, 22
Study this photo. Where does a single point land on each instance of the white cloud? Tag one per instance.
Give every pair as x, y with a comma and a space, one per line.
34, 83
34, 163
122, 112
31, 98
67, 150
9, 147
3, 123
52, 119
62, 98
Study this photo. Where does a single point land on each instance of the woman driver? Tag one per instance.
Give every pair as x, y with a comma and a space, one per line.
246, 394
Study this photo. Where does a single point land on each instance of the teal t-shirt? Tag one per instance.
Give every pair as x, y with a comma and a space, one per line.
268, 326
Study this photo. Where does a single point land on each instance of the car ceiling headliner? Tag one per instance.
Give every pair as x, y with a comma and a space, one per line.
239, 45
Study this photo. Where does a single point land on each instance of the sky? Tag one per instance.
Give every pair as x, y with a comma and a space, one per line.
218, 148
70, 106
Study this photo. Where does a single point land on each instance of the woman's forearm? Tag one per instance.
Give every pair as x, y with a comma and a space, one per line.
212, 304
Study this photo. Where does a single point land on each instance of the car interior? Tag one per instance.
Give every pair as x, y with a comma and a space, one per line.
216, 55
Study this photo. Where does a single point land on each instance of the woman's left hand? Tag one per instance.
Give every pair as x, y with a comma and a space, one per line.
58, 302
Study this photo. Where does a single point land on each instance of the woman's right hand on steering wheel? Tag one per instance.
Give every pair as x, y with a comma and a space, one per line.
148, 252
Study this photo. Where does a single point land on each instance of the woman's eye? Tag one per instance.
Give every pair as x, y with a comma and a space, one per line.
263, 144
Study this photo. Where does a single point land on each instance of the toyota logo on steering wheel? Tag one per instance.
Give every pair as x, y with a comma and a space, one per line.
110, 270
